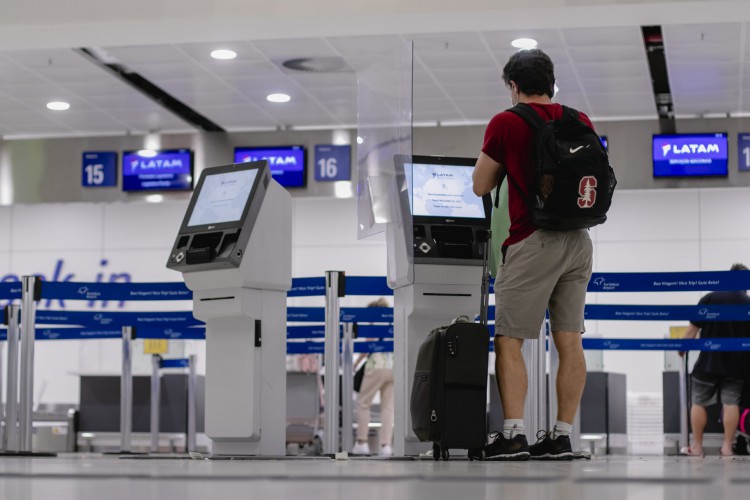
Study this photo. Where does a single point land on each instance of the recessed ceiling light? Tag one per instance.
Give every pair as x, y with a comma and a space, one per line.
147, 153
360, 140
154, 198
223, 54
278, 98
524, 43
343, 189
58, 105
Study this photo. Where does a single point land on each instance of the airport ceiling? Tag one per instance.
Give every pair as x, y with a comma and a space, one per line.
602, 71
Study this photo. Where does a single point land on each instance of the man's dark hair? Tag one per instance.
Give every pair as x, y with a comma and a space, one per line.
738, 267
533, 72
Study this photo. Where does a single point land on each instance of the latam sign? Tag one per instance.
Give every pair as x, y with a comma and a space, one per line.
157, 170
287, 163
688, 155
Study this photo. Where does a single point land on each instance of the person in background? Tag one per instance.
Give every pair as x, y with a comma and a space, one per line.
718, 376
378, 378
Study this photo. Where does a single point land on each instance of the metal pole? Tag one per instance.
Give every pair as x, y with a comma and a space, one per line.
347, 388
155, 401
684, 428
10, 438
534, 353
190, 443
332, 356
28, 331
126, 391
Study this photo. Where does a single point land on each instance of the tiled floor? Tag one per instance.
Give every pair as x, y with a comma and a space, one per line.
92, 477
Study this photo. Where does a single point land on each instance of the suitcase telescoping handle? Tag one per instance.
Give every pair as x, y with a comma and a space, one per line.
483, 236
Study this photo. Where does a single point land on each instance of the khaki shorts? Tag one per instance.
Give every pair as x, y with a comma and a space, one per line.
549, 269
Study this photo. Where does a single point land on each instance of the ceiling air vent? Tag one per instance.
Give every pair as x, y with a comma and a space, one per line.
317, 65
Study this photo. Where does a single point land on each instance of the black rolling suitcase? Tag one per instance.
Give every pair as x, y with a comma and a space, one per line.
449, 393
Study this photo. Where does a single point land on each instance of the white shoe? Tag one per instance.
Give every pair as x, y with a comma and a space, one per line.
386, 451
361, 449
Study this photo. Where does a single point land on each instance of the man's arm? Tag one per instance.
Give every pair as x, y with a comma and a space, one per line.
691, 333
486, 173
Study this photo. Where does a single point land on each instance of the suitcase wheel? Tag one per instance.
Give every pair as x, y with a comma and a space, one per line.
435, 451
446, 454
476, 454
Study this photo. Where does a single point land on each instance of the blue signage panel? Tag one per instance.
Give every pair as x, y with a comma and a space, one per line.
148, 170
333, 163
287, 163
743, 148
99, 169
688, 155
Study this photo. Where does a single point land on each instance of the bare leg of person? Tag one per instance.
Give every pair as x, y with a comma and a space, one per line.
698, 419
731, 419
512, 381
571, 375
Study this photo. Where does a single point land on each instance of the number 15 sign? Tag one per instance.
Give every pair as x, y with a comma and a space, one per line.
333, 163
99, 169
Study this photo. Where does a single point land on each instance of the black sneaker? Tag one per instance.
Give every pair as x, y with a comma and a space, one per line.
547, 448
516, 448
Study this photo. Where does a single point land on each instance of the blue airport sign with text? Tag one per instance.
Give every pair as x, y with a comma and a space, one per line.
333, 163
99, 169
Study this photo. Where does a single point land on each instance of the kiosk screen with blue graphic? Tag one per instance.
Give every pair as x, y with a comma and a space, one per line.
288, 164
690, 155
149, 170
442, 191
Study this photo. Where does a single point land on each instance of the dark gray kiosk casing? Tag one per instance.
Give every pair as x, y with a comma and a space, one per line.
447, 272
234, 252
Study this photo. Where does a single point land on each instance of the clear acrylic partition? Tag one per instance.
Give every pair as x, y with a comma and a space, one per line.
384, 140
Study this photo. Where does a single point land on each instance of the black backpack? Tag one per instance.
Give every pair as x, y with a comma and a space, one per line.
574, 181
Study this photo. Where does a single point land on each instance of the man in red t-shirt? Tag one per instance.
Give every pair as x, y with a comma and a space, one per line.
541, 269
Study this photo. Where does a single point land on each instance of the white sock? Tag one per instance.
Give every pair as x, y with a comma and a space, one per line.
513, 427
561, 429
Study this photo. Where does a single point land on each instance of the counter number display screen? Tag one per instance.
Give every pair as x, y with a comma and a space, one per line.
287, 163
442, 191
223, 197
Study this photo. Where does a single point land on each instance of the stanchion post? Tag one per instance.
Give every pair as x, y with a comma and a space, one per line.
334, 287
10, 437
155, 401
126, 391
535, 353
29, 296
684, 428
347, 388
190, 444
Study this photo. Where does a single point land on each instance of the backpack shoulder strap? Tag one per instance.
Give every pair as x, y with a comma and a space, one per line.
574, 115
528, 114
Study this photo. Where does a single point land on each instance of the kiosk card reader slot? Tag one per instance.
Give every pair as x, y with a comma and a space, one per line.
234, 252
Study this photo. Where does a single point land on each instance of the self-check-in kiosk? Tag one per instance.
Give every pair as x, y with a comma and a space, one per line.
234, 252
446, 217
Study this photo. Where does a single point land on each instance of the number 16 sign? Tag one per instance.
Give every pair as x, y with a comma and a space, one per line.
743, 147
333, 163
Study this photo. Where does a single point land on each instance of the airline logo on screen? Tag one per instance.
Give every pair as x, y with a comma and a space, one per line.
676, 149
274, 161
156, 164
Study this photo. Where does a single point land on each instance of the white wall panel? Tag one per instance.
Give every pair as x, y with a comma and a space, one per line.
142, 225
51, 227
647, 256
5, 228
719, 255
355, 260
721, 213
652, 215
324, 222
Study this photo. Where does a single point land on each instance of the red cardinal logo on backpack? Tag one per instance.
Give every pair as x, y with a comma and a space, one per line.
587, 191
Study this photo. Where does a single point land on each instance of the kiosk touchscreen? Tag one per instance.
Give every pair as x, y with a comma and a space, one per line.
445, 211
234, 252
